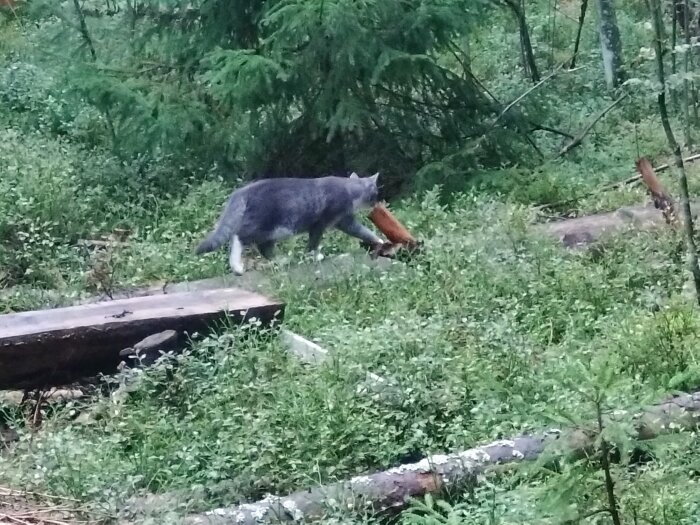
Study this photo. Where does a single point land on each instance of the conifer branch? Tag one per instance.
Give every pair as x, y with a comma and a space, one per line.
88, 41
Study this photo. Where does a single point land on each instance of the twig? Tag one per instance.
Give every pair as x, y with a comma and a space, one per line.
530, 90
40, 510
19, 519
579, 138
57, 522
13, 519
5, 491
39, 399
535, 126
555, 131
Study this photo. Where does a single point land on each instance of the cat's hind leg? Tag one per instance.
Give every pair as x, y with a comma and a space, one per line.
235, 259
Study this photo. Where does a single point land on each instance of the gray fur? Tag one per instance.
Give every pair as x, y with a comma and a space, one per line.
270, 210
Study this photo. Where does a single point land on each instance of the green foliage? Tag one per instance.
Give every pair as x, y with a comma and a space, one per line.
491, 332
172, 80
54, 193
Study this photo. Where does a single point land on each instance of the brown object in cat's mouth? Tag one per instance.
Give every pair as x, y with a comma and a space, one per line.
398, 236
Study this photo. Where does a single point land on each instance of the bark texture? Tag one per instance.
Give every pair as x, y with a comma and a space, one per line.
610, 44
393, 489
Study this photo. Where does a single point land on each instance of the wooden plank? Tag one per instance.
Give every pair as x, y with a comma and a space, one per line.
50, 347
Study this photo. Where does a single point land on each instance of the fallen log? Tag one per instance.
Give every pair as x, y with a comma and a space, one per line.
57, 346
393, 489
590, 228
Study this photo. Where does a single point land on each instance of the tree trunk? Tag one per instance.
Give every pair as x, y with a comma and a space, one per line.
525, 42
610, 44
688, 139
581, 19
392, 490
674, 69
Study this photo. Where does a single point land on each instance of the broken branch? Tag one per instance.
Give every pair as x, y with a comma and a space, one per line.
526, 93
579, 138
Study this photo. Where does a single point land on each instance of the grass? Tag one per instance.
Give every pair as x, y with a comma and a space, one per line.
490, 333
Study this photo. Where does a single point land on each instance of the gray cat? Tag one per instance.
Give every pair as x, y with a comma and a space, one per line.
269, 210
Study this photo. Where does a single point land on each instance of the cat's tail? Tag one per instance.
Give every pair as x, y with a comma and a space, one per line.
228, 225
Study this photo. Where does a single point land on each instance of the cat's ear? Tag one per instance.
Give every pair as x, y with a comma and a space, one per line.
374, 178
353, 175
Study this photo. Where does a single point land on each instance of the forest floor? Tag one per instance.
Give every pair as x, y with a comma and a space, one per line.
490, 332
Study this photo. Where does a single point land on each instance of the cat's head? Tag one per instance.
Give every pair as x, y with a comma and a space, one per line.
369, 190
